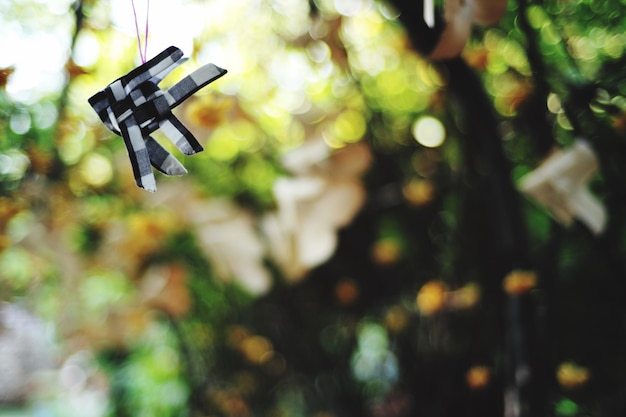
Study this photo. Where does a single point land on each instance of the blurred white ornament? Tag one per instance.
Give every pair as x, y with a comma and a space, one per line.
323, 197
306, 157
25, 350
459, 17
227, 234
560, 185
315, 157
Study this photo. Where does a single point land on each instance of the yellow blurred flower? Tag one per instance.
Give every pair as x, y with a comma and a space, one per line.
396, 319
154, 225
147, 231
236, 336
257, 349
463, 298
208, 111
519, 282
386, 251
431, 298
478, 377
230, 403
95, 170
571, 375
419, 192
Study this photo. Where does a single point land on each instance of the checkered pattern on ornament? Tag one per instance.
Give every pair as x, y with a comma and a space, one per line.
133, 106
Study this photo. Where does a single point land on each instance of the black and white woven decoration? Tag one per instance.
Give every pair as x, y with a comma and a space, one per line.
133, 106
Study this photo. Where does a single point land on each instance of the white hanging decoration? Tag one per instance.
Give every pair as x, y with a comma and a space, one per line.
429, 13
560, 185
324, 194
459, 17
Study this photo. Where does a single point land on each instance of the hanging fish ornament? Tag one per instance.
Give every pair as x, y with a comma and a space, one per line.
133, 107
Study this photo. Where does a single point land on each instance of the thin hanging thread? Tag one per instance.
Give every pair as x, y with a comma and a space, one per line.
142, 54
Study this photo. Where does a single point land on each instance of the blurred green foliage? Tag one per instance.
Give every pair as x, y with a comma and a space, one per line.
188, 303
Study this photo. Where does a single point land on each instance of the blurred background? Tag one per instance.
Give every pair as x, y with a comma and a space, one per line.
403, 208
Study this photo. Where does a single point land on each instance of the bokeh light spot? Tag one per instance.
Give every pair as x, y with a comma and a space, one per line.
418, 192
223, 146
566, 407
571, 375
431, 297
397, 319
478, 377
13, 164
428, 131
348, 7
550, 35
391, 83
537, 16
350, 126
386, 251
20, 122
96, 170
346, 291
554, 103
87, 49
614, 46
257, 349
563, 121
45, 114
583, 48
17, 267
318, 51
372, 337
519, 282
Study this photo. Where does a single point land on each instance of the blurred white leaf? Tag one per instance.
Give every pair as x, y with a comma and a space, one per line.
312, 206
459, 16
227, 235
560, 185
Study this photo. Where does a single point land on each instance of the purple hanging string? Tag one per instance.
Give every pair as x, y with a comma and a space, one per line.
142, 54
